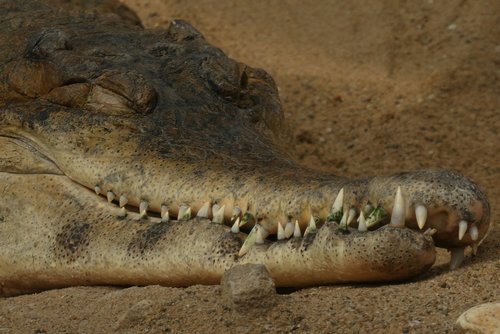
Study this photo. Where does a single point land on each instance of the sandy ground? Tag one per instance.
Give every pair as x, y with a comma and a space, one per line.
368, 88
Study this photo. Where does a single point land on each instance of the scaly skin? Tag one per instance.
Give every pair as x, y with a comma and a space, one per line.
164, 119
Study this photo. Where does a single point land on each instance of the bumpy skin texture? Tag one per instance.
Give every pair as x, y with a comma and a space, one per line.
164, 118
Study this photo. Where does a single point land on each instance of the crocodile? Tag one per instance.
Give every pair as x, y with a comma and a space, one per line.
131, 156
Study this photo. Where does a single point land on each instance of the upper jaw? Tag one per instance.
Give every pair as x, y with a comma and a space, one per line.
442, 200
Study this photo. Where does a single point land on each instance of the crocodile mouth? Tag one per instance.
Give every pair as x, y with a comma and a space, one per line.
359, 206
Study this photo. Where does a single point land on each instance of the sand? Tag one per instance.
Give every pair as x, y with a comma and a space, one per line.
368, 88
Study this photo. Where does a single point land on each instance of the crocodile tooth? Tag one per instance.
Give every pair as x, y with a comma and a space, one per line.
281, 232
164, 213
143, 208
362, 223
218, 214
236, 226
343, 221
97, 190
473, 232
462, 228
247, 217
236, 213
122, 212
398, 210
421, 215
368, 208
260, 235
350, 216
339, 202
288, 230
430, 232
296, 230
204, 211
123, 201
215, 208
311, 228
110, 196
184, 213
249, 241
457, 257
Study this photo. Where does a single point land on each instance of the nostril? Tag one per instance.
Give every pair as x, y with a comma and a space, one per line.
224, 75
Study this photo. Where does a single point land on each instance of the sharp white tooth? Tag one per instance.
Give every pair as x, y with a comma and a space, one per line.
296, 230
398, 210
236, 213
263, 232
123, 201
343, 221
289, 230
164, 214
430, 232
249, 241
184, 213
421, 215
350, 216
122, 212
457, 257
362, 222
97, 190
143, 208
204, 211
473, 232
339, 202
281, 232
215, 208
462, 228
110, 196
218, 215
236, 226
259, 238
311, 227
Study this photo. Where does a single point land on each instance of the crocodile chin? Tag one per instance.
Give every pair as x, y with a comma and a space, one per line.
141, 157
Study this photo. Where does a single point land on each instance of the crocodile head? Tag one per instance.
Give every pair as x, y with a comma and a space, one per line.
162, 124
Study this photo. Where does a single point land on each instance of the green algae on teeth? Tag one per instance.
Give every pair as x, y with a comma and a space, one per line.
378, 214
259, 233
337, 207
184, 212
311, 227
362, 222
249, 241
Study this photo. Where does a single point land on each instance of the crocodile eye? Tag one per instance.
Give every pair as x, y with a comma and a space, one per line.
33, 78
118, 93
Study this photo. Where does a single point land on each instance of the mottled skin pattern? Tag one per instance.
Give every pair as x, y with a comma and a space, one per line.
164, 118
